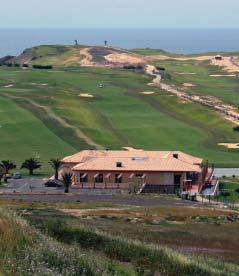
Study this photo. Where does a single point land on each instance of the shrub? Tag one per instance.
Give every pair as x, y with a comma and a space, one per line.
237, 190
36, 66
226, 194
236, 128
160, 68
134, 188
153, 258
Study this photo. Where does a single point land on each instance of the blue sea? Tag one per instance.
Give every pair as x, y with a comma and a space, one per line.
187, 41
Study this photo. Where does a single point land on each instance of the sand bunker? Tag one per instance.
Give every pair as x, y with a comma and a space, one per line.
41, 84
230, 145
86, 95
8, 86
147, 92
218, 76
186, 84
124, 58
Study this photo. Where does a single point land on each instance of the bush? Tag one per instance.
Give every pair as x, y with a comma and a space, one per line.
36, 66
236, 128
226, 194
134, 188
237, 190
25, 65
133, 67
160, 68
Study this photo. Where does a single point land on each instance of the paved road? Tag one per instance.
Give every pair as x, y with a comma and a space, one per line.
114, 199
33, 189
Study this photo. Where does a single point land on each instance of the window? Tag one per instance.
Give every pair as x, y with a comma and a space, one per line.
118, 178
83, 177
99, 178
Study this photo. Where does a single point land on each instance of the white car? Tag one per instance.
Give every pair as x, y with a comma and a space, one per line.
17, 175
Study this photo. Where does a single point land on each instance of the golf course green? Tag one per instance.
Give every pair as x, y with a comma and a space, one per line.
49, 113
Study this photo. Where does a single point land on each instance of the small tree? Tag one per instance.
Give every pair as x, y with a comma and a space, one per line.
67, 181
106, 42
7, 165
31, 165
56, 164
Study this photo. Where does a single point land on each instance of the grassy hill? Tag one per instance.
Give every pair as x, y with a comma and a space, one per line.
50, 113
67, 56
39, 238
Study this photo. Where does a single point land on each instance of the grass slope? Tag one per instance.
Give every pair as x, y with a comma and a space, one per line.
118, 115
24, 136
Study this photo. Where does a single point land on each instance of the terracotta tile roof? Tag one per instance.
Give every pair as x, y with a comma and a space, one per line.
86, 155
169, 164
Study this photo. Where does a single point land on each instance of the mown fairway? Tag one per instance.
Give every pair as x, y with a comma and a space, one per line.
42, 114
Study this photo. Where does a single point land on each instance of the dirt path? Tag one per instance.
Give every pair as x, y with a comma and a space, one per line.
87, 61
164, 57
60, 120
229, 112
152, 71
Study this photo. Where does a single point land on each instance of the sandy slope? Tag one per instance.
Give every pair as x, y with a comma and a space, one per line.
124, 58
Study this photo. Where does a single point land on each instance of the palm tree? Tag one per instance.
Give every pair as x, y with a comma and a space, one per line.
56, 164
7, 165
31, 165
67, 181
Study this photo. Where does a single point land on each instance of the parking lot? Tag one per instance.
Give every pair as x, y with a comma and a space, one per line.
26, 185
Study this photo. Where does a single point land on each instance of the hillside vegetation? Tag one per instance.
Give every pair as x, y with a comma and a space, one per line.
94, 97
32, 242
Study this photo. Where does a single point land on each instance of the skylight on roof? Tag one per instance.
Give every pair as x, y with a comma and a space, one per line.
139, 158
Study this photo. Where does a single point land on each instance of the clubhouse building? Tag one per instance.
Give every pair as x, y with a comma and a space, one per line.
153, 171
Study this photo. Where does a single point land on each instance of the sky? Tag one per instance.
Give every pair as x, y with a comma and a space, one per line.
119, 14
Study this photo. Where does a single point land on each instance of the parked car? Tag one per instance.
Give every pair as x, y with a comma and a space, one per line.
53, 183
17, 175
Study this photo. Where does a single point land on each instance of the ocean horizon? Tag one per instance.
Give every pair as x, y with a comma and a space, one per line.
185, 41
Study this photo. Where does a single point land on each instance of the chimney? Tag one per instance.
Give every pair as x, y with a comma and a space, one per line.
119, 164
175, 155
